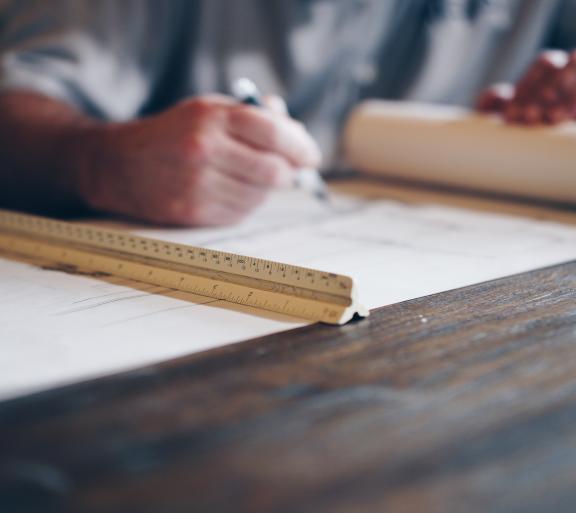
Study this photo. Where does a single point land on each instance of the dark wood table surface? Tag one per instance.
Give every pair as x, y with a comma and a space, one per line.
463, 401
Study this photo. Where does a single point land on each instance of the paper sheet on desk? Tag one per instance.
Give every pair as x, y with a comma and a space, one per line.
57, 328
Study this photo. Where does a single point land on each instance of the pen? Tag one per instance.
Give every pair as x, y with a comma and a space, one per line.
307, 179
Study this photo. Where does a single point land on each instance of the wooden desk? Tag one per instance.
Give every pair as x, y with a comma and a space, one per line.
462, 401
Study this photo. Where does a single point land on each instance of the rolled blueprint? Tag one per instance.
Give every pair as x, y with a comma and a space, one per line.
454, 146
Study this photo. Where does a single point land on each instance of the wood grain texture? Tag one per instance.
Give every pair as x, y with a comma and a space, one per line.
461, 401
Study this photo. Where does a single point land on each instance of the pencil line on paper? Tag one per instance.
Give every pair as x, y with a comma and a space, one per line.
150, 314
108, 302
127, 291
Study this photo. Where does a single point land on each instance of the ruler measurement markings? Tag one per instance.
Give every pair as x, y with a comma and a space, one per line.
290, 289
325, 294
106, 263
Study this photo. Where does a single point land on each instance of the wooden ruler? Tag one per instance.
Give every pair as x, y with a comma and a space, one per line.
287, 289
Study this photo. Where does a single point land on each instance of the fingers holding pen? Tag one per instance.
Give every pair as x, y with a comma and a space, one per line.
207, 160
274, 133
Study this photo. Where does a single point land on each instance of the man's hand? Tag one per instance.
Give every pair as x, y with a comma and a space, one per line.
206, 161
546, 94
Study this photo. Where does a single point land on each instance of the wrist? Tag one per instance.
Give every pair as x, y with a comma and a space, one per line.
85, 147
45, 147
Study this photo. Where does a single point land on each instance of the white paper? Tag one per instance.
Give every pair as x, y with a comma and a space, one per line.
57, 328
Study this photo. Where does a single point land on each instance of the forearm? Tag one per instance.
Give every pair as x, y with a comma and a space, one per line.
43, 149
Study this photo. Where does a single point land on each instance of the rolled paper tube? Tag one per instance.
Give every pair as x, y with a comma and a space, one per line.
457, 147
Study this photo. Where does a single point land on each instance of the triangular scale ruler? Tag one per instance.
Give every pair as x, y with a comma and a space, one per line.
291, 290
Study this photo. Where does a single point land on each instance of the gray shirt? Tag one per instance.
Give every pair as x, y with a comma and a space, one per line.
120, 59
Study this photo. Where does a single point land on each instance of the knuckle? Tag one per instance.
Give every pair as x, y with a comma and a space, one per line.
202, 112
198, 148
199, 108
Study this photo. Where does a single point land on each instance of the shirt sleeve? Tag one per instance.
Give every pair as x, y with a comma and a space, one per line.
563, 33
93, 54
